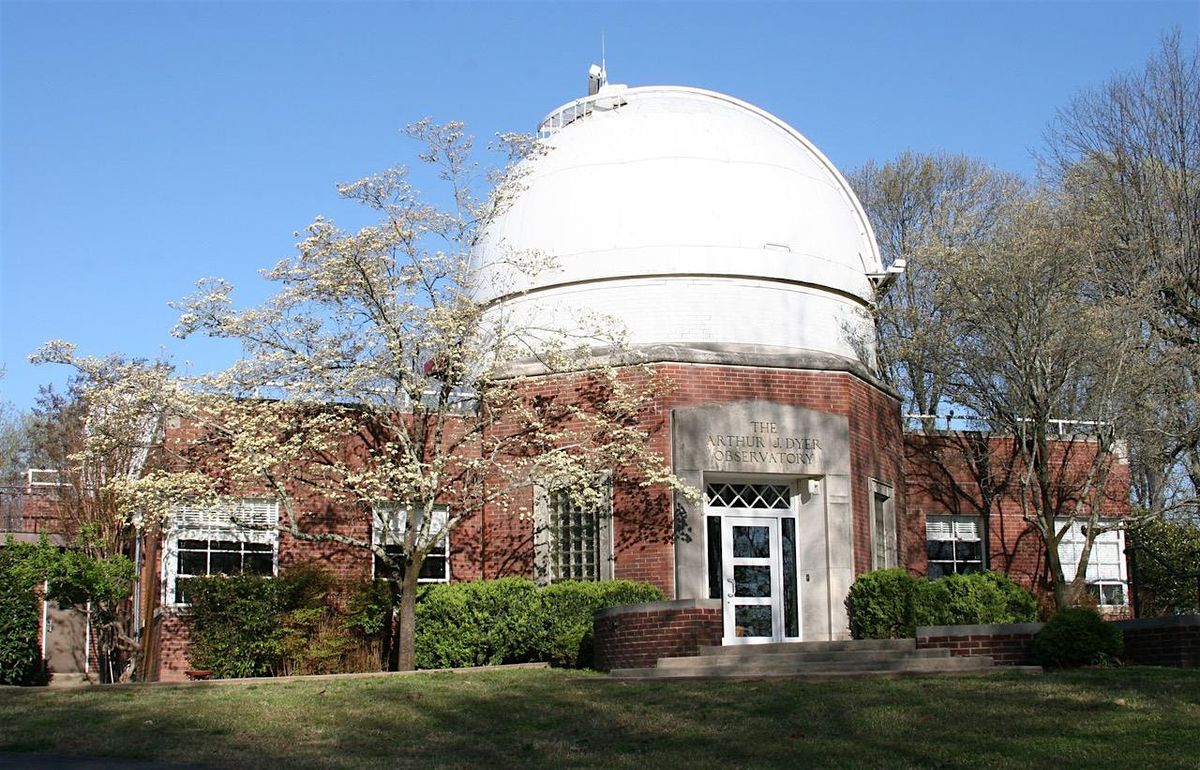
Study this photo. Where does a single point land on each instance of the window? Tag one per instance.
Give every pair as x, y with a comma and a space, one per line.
572, 542
387, 530
235, 537
954, 545
1105, 572
883, 526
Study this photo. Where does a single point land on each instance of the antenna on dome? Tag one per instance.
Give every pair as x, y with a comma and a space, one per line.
598, 75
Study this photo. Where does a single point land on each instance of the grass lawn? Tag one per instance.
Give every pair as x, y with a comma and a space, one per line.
1131, 717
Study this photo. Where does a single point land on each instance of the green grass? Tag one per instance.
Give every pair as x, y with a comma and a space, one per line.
1131, 717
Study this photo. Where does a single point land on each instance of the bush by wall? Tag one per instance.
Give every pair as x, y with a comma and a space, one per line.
880, 605
981, 597
512, 621
20, 655
567, 609
250, 625
1077, 636
483, 623
890, 604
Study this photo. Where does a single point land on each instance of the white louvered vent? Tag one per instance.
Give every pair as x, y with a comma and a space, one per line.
939, 528
247, 513
966, 528
390, 518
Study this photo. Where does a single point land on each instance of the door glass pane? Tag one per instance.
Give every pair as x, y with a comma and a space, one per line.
752, 581
791, 595
751, 542
713, 524
753, 620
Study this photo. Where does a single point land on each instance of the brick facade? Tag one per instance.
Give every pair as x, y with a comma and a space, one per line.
965, 473
637, 635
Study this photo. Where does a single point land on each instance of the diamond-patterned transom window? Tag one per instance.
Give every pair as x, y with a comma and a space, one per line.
761, 496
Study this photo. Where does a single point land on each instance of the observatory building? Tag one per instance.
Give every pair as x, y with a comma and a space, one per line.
741, 266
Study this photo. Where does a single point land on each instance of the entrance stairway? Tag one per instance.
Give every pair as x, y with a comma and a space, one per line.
817, 660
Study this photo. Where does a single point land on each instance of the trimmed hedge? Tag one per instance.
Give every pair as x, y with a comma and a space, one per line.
1077, 636
880, 605
248, 625
568, 608
511, 620
890, 604
484, 623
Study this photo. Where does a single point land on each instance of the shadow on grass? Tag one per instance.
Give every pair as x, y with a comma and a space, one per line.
1128, 717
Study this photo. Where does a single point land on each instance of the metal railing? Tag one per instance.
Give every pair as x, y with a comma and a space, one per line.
953, 421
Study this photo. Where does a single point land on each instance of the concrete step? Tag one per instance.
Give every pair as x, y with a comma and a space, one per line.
68, 680
648, 674
843, 645
772, 666
784, 657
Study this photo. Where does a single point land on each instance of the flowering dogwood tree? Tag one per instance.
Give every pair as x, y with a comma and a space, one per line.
373, 378
103, 440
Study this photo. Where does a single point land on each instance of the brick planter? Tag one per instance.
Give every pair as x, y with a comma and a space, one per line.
637, 635
1008, 644
1173, 641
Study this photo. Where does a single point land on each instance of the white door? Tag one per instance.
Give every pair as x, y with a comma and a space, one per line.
752, 587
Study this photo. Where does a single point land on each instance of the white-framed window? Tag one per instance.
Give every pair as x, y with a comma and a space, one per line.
572, 542
387, 530
1106, 575
954, 545
883, 525
238, 536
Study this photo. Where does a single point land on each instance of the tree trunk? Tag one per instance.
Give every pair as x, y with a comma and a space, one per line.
406, 633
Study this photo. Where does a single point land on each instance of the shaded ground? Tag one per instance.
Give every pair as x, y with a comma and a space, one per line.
549, 718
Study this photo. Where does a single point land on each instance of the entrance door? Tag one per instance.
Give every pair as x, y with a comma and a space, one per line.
64, 643
752, 585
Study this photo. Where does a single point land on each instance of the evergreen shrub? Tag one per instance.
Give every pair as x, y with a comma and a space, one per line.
880, 605
1077, 636
482, 623
20, 655
890, 604
567, 611
970, 599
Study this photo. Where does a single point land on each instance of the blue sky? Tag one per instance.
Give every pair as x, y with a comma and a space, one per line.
145, 145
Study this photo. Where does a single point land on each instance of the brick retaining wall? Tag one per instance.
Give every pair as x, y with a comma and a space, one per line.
637, 635
1008, 644
1173, 641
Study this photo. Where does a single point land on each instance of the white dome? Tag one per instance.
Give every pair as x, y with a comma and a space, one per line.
696, 219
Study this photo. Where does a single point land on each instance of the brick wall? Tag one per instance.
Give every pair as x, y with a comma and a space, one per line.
1008, 644
1173, 641
637, 635
966, 473
499, 543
